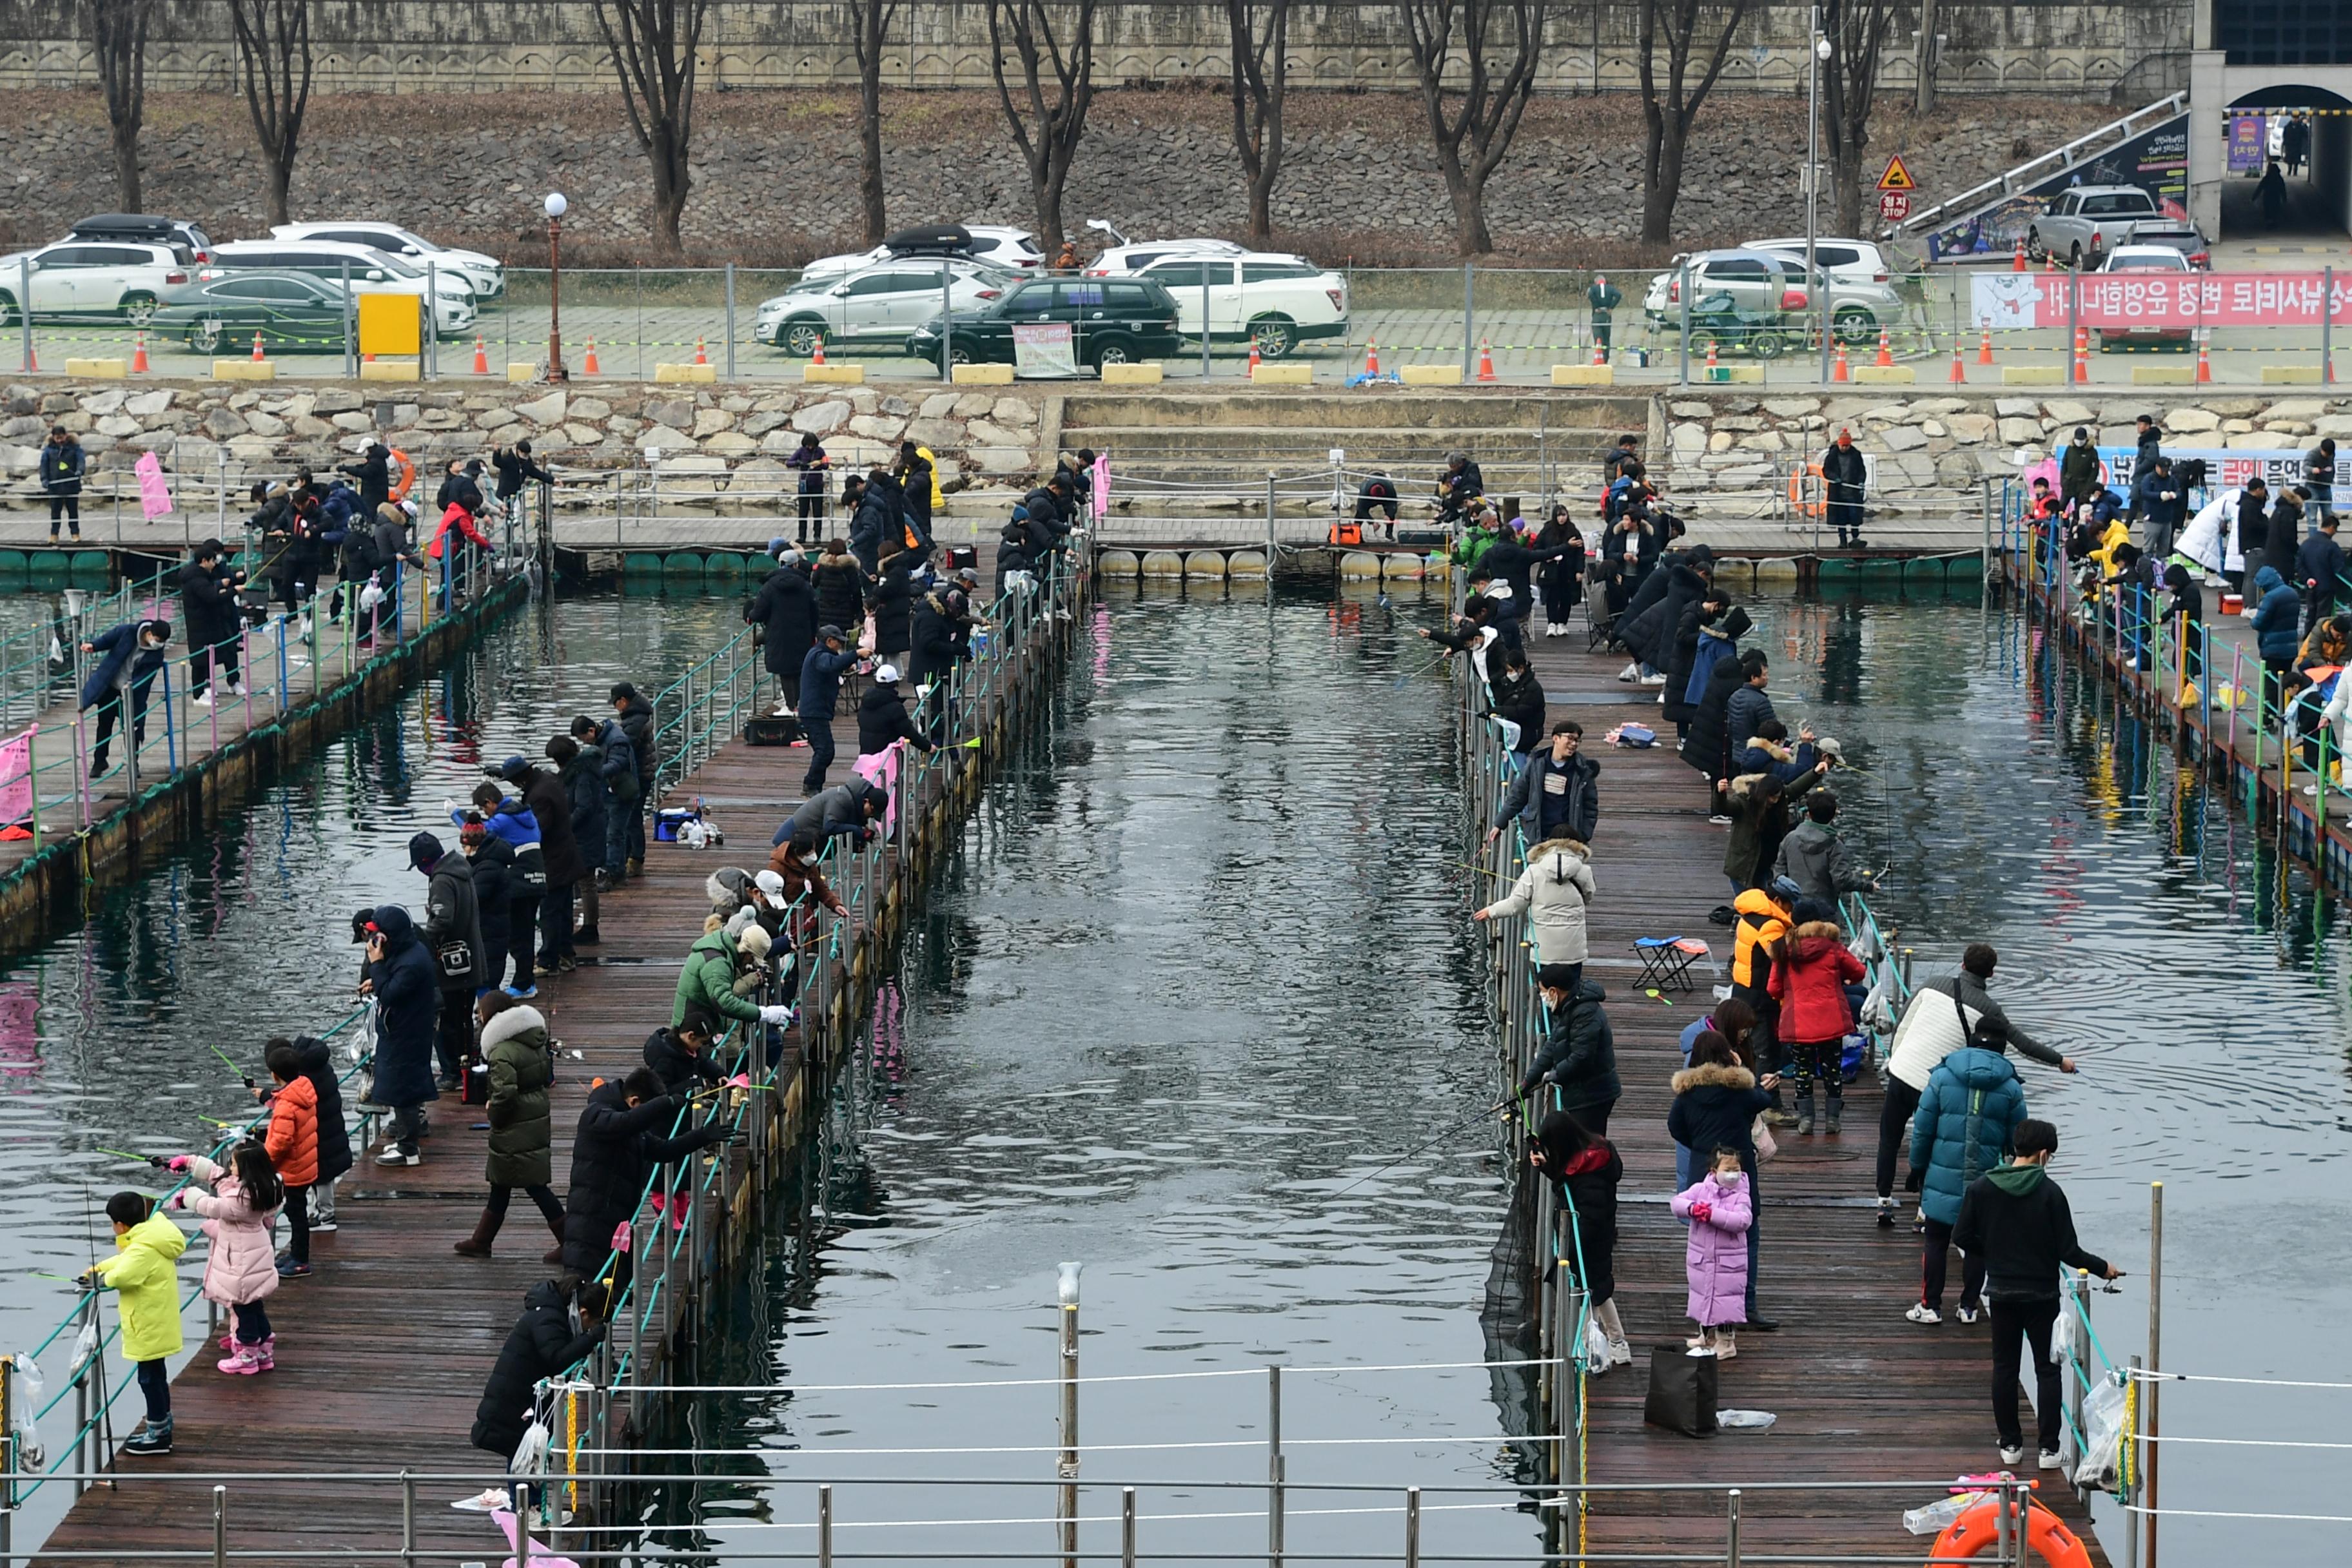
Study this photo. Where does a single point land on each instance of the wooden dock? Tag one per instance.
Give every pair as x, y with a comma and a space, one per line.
1860, 1392
383, 1352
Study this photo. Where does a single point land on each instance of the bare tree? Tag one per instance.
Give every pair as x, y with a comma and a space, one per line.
1857, 31
118, 35
273, 50
1472, 131
1669, 111
1924, 104
1261, 74
1046, 133
870, 29
655, 46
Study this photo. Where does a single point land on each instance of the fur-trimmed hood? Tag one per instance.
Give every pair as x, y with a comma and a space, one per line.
1744, 786
1719, 1075
507, 1025
1809, 940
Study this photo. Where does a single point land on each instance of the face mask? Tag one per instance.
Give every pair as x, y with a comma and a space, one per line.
1729, 1179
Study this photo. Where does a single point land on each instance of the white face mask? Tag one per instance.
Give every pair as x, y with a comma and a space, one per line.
1729, 1178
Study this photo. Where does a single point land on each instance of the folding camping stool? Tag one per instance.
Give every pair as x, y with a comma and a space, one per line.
1666, 960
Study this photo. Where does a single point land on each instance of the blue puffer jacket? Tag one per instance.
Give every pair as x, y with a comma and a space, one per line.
2275, 615
1972, 1105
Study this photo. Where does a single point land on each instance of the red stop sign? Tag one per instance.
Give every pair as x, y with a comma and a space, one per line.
1894, 206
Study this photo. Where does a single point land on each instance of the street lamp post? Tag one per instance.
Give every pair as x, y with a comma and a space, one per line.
1820, 52
556, 206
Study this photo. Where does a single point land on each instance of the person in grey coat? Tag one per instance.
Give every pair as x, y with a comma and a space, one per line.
1748, 708
1819, 861
453, 938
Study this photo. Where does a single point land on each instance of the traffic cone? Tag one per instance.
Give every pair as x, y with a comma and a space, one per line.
2082, 354
1885, 353
588, 365
2017, 263
2050, 261
1372, 358
1254, 359
701, 353
1840, 370
819, 358
482, 358
2204, 365
257, 347
138, 356
1600, 354
1958, 374
1984, 350
1485, 362
1710, 359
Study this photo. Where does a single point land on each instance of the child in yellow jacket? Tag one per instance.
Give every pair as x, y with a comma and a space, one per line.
144, 1277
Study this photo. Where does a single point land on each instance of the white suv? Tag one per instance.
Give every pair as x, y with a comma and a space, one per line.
882, 304
1842, 261
1009, 249
86, 277
484, 273
1273, 301
1127, 260
453, 296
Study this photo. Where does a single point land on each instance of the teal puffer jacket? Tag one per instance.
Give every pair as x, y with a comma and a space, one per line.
1972, 1105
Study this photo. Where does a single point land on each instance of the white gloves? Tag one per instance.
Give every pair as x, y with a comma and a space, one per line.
780, 1013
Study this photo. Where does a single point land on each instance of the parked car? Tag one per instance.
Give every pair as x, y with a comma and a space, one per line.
1845, 261
2088, 219
1762, 282
141, 228
485, 273
1124, 260
2144, 259
75, 278
1272, 300
453, 297
1113, 321
1009, 249
291, 310
877, 305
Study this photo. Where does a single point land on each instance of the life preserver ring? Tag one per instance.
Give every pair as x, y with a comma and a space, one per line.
1797, 503
401, 486
1979, 1529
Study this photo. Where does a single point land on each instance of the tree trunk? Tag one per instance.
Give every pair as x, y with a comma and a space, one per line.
869, 156
280, 162
1924, 103
1845, 170
119, 40
126, 164
1261, 210
672, 183
1661, 183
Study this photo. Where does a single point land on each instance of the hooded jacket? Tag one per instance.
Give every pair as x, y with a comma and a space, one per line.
841, 809
1745, 713
1972, 1104
453, 916
1708, 746
144, 1277
635, 717
318, 1065
587, 798
522, 1070
840, 589
1519, 700
708, 981
2018, 1221
207, 603
1819, 862
123, 662
613, 1151
1756, 825
293, 1136
682, 1071
1715, 1255
408, 999
784, 609
891, 602
548, 800
1556, 886
2285, 539
937, 638
1579, 1056
1810, 981
1716, 1108
882, 718
2275, 615
820, 690
2078, 470
243, 1265
540, 1345
619, 769
1563, 797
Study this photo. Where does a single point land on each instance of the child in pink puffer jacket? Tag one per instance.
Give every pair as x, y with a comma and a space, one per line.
1719, 1208
243, 1267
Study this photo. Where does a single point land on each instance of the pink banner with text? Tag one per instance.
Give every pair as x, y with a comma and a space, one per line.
2119, 300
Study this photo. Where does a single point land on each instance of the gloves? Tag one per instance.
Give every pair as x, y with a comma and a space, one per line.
1528, 1084
1702, 1211
177, 1163
178, 1200
720, 1134
780, 1013
1914, 1181
741, 1081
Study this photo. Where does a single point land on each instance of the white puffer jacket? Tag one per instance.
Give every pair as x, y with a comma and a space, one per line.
1557, 885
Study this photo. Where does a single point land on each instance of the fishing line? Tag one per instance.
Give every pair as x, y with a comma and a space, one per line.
1441, 1136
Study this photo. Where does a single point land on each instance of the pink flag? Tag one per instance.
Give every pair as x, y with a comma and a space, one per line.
1102, 485
154, 495
16, 777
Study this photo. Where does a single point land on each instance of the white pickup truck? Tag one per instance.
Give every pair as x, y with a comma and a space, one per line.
2086, 223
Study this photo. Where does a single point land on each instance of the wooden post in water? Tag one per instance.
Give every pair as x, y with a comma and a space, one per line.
2154, 1349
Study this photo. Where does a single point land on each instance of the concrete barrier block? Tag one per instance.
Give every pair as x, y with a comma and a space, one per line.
2164, 375
2290, 375
982, 375
523, 373
1145, 375
98, 369
1733, 372
703, 374
390, 369
1584, 375
1268, 374
1427, 375
2033, 376
247, 370
1886, 374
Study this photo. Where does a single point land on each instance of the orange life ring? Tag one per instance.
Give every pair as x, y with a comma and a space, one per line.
407, 474
1979, 1529
1797, 502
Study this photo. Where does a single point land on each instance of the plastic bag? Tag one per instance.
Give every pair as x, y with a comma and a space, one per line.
1937, 1517
25, 1399
1745, 1420
2103, 1433
1864, 945
1596, 1349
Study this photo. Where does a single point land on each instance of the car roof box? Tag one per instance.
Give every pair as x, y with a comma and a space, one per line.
125, 223
933, 240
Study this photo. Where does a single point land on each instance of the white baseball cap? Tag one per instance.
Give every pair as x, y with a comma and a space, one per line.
770, 884
888, 675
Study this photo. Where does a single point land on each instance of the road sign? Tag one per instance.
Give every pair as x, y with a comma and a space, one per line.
1894, 206
1897, 177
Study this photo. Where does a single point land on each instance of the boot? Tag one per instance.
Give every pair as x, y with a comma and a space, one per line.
555, 1254
1726, 1343
1836, 1109
636, 867
151, 1441
587, 936
486, 1230
1805, 1114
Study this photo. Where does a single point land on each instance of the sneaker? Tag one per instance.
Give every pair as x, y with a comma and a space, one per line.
1718, 820
322, 1228
2052, 1459
1886, 1214
2012, 1456
290, 1269
393, 1156
1968, 1312
1620, 1353
524, 994
149, 1442
1654, 681
1920, 1312
238, 688
204, 700
783, 711
1630, 674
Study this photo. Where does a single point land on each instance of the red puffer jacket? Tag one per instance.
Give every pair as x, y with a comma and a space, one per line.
1809, 982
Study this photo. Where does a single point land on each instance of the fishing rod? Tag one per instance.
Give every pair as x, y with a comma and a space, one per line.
231, 1060
1444, 1134
158, 1160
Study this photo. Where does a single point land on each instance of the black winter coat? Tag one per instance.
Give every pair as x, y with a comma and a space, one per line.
1845, 476
1579, 1054
936, 645
549, 801
1595, 1194
1708, 747
1683, 653
892, 603
877, 532
1522, 702
682, 1071
613, 1151
453, 913
540, 1345
882, 718
408, 1001
1716, 1107
207, 604
636, 721
334, 1138
785, 611
585, 794
494, 887
840, 594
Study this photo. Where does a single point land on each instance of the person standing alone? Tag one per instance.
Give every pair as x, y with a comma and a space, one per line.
1846, 480
1603, 298
62, 466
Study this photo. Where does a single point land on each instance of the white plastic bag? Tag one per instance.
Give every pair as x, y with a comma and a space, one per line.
2103, 1432
1934, 1518
1596, 1349
24, 1398
1745, 1420
1864, 945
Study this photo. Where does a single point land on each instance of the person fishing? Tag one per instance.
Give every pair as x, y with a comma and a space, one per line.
144, 1276
241, 1271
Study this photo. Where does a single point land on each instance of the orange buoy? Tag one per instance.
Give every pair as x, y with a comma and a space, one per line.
1978, 1531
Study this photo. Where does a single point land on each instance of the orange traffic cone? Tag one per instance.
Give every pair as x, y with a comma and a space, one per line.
138, 356
2017, 263
1958, 374
1371, 357
482, 358
1885, 353
588, 365
1710, 359
2050, 261
701, 354
820, 352
2204, 365
1254, 360
32, 360
257, 346
2082, 354
1984, 350
1600, 354
1485, 362
1840, 369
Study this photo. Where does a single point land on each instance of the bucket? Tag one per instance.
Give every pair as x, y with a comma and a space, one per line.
2233, 604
